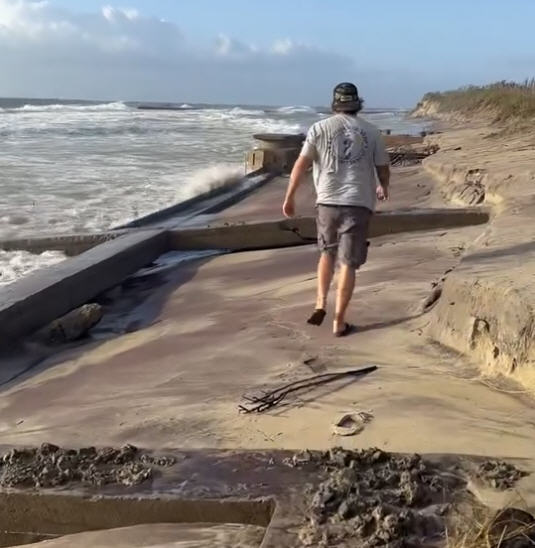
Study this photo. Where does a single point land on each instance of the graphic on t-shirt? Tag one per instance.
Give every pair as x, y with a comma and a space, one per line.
348, 144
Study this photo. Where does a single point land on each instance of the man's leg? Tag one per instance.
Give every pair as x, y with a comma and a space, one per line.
325, 276
346, 286
327, 224
353, 252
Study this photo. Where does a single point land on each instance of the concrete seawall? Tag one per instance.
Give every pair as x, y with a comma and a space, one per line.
39, 298
70, 244
45, 295
302, 231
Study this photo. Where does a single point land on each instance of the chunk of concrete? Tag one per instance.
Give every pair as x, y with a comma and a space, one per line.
73, 326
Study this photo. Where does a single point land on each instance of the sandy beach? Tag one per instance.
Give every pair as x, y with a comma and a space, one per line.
227, 325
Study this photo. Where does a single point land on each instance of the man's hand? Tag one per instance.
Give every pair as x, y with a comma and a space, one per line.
288, 208
383, 173
297, 175
382, 192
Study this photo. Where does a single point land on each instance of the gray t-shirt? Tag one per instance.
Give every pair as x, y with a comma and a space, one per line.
345, 150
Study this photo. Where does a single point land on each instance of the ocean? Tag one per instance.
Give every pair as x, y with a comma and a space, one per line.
83, 166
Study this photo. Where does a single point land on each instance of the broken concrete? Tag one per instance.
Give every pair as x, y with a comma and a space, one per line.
370, 498
52, 466
302, 231
499, 474
71, 245
73, 326
336, 498
43, 296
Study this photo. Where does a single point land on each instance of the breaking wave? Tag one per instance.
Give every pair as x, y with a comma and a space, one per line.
210, 178
249, 122
246, 112
296, 109
15, 264
106, 107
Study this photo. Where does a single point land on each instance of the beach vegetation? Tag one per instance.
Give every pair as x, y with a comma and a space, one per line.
505, 101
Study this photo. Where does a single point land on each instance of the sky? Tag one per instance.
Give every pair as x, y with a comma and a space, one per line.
281, 52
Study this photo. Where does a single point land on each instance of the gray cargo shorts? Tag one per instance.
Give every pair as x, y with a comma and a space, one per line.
344, 230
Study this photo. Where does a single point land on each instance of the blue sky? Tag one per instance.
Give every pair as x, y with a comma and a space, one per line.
279, 52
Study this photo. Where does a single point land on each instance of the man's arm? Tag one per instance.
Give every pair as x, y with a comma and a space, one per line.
382, 166
383, 173
296, 178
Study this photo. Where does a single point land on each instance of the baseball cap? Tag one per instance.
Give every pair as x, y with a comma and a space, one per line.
346, 97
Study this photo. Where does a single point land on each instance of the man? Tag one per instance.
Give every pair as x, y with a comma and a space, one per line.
346, 152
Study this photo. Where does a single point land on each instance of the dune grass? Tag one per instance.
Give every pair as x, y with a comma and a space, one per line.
483, 528
506, 101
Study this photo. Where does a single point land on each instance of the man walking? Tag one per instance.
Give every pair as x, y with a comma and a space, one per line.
347, 153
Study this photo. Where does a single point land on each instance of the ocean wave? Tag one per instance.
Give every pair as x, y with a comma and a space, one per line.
105, 107
297, 109
249, 123
209, 178
384, 114
15, 264
239, 111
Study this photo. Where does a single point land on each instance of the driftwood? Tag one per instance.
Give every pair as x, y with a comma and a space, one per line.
403, 156
267, 400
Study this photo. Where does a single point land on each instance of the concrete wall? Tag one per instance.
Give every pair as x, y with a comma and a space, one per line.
55, 514
301, 231
71, 244
45, 295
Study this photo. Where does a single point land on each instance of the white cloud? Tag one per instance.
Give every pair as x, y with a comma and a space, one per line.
283, 47
227, 46
121, 53
113, 14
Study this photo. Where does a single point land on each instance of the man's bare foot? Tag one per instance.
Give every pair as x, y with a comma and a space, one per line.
317, 317
342, 329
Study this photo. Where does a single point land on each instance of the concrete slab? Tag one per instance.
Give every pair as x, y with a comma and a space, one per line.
302, 230
47, 294
70, 244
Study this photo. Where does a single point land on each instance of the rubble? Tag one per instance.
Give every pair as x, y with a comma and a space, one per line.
499, 474
372, 498
73, 326
52, 466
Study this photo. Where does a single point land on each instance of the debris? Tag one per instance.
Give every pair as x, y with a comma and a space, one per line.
298, 459
73, 326
52, 466
371, 498
499, 474
270, 399
350, 424
410, 155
